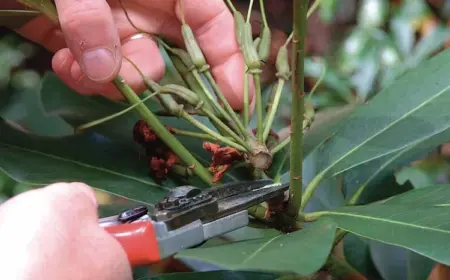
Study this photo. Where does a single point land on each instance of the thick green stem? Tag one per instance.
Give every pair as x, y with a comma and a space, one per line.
273, 109
222, 98
298, 57
341, 269
170, 140
259, 108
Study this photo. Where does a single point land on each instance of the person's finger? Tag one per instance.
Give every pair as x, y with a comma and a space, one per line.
47, 34
140, 49
92, 37
214, 30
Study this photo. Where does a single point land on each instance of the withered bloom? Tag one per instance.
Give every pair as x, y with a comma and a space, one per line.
161, 158
222, 159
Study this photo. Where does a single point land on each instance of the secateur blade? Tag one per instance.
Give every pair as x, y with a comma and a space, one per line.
246, 195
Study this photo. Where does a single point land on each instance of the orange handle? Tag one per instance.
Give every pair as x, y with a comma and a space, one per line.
139, 241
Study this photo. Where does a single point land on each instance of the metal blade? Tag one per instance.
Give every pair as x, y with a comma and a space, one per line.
248, 199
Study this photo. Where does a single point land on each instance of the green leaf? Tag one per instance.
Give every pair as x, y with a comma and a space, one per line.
373, 172
357, 253
280, 253
397, 263
437, 195
428, 45
411, 109
219, 274
425, 173
40, 161
325, 124
424, 230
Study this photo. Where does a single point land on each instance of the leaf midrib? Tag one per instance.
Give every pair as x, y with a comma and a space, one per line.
385, 220
84, 165
255, 253
387, 127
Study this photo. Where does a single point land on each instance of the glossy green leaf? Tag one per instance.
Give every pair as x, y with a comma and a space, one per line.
328, 195
424, 230
437, 195
220, 274
428, 45
279, 253
325, 124
357, 253
373, 172
398, 263
39, 161
425, 173
411, 109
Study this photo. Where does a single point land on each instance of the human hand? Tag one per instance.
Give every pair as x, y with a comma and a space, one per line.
95, 36
53, 233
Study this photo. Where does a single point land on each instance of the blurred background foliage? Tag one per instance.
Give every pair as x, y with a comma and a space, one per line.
358, 47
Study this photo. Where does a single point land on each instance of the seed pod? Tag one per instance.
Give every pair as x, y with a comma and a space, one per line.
182, 92
282, 63
239, 22
250, 54
170, 104
185, 58
192, 47
256, 42
265, 44
151, 85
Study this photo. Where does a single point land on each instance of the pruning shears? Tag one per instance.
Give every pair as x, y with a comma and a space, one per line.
187, 217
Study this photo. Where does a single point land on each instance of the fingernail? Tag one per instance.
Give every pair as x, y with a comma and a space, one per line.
98, 64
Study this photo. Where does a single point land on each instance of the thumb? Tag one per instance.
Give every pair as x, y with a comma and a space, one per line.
92, 37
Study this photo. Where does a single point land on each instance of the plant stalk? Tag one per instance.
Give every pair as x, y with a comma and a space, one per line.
170, 140
259, 108
193, 134
246, 101
207, 130
298, 57
273, 109
281, 145
222, 98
